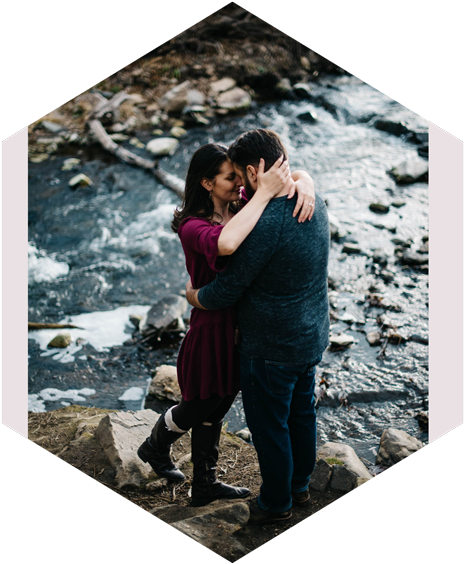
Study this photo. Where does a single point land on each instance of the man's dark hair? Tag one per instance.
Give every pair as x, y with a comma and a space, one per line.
254, 145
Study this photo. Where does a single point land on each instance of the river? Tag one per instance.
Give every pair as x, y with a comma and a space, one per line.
97, 254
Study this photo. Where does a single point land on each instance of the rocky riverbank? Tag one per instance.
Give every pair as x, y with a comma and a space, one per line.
221, 65
103, 443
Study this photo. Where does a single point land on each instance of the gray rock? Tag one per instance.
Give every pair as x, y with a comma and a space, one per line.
334, 225
162, 146
409, 172
120, 434
164, 384
387, 276
373, 338
212, 529
423, 420
395, 445
284, 88
347, 455
38, 158
302, 89
342, 479
380, 257
244, 434
219, 86
351, 249
51, 126
119, 137
308, 117
234, 100
414, 259
165, 315
341, 340
398, 204
174, 100
320, 476
178, 131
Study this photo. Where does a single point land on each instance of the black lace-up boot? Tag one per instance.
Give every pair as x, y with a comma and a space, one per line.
156, 450
205, 452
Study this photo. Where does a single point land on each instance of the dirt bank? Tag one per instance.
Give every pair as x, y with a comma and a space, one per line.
69, 434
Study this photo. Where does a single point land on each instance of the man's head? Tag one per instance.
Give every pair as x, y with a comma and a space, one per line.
246, 151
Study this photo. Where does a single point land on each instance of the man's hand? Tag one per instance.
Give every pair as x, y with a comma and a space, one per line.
192, 296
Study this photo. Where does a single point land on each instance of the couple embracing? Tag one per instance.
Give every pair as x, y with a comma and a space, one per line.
256, 243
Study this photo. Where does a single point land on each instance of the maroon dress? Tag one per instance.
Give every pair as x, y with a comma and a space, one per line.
208, 361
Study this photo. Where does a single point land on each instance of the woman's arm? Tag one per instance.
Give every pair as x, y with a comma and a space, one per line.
304, 185
239, 227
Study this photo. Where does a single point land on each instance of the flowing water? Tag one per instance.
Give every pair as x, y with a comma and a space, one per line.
98, 254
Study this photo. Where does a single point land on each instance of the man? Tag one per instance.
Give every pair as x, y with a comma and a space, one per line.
278, 278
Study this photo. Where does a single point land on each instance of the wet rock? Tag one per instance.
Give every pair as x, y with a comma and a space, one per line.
70, 164
409, 172
120, 434
305, 63
395, 445
165, 315
417, 338
378, 207
334, 226
302, 90
234, 100
308, 117
38, 158
401, 242
195, 114
80, 180
393, 336
162, 146
284, 88
423, 420
341, 340
351, 249
414, 259
61, 341
135, 320
118, 137
398, 204
347, 318
387, 276
373, 338
424, 249
380, 257
342, 479
164, 385
423, 150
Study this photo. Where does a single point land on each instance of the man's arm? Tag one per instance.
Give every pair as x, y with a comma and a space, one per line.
244, 266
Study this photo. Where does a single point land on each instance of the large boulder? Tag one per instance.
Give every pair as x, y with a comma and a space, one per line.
339, 468
395, 445
234, 100
165, 315
120, 434
174, 100
409, 172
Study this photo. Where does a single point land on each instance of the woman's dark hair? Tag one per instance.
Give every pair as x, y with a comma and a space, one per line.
254, 145
206, 163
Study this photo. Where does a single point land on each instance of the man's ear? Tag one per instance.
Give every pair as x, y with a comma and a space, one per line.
252, 172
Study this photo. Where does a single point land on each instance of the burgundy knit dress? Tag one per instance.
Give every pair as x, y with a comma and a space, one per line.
208, 361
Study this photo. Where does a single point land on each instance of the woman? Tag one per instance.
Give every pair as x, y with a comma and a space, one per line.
211, 224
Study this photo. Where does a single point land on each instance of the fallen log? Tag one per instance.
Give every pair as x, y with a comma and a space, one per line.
126, 156
37, 326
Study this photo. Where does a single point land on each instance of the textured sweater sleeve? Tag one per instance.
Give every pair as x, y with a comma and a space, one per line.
244, 266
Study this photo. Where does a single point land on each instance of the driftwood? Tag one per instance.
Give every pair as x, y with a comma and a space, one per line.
38, 326
94, 124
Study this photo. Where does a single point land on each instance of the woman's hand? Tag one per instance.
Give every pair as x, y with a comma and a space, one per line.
303, 184
273, 181
189, 286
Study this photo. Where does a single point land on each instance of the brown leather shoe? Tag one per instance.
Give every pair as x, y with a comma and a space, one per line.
302, 499
260, 516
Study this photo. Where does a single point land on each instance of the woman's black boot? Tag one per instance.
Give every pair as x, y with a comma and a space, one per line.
156, 450
205, 452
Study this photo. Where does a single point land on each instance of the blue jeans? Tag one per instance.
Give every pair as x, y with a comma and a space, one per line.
280, 410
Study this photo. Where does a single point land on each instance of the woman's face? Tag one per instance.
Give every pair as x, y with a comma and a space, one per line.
226, 185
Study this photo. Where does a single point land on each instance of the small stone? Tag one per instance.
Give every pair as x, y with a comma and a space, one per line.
398, 204
395, 445
118, 137
135, 320
80, 180
61, 341
414, 259
351, 249
234, 100
70, 164
320, 476
38, 158
157, 132
244, 434
342, 340
308, 117
220, 86
380, 257
305, 63
409, 172
373, 338
177, 131
423, 420
378, 207
387, 276
51, 126
162, 146
302, 89
164, 385
284, 88
394, 337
